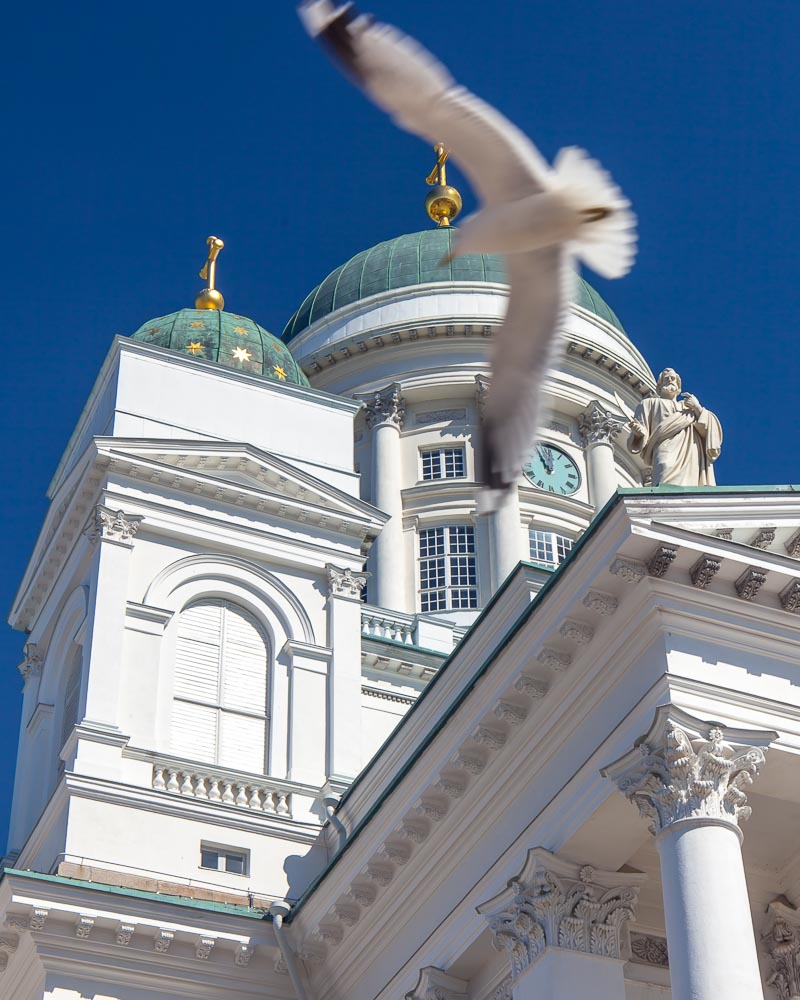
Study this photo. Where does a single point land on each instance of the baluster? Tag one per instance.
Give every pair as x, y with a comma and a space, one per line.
255, 799
186, 784
201, 792
282, 808
213, 792
172, 781
241, 795
269, 801
158, 779
227, 792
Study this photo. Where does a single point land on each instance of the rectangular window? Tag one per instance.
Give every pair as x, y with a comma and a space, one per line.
223, 859
548, 548
443, 463
447, 572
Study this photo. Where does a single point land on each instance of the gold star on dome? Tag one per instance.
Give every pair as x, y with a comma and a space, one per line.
196, 323
195, 348
241, 330
279, 372
241, 354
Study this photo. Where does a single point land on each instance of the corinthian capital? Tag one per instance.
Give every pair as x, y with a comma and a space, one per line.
113, 524
32, 664
558, 904
597, 425
434, 984
782, 943
386, 406
686, 769
482, 383
345, 583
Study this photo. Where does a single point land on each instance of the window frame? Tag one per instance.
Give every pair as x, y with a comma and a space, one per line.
451, 558
223, 854
555, 541
440, 453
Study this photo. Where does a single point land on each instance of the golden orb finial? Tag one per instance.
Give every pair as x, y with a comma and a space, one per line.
210, 297
443, 203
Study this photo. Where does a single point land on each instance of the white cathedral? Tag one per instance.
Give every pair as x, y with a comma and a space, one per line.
298, 723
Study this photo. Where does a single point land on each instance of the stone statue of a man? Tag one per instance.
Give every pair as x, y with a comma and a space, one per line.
679, 438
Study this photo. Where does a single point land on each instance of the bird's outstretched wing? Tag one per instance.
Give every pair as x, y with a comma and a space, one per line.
411, 85
522, 351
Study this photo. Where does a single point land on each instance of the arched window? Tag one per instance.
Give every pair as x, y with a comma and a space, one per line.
219, 712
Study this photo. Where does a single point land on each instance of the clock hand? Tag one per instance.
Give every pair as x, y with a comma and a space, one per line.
547, 458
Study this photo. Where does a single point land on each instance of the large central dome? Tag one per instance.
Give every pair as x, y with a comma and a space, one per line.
414, 259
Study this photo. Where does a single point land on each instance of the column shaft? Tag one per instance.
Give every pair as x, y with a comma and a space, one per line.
712, 952
507, 542
388, 589
601, 473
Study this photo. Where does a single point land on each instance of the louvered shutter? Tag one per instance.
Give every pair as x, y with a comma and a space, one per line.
219, 711
244, 689
197, 670
72, 693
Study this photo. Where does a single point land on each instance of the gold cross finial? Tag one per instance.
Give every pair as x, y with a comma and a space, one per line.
443, 203
209, 297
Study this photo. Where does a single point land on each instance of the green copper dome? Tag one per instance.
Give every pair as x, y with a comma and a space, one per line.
230, 340
414, 259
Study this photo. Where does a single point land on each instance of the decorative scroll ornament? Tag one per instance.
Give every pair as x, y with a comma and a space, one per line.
385, 406
782, 943
685, 769
434, 984
598, 426
115, 525
557, 904
346, 583
704, 571
649, 950
32, 664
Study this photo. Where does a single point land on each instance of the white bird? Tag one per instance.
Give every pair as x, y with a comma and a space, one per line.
540, 218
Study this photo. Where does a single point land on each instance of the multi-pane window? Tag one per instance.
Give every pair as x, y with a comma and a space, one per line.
443, 463
219, 711
548, 547
448, 578
222, 859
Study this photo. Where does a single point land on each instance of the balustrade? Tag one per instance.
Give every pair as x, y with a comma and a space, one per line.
200, 784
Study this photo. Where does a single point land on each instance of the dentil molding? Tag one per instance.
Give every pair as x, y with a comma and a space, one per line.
687, 769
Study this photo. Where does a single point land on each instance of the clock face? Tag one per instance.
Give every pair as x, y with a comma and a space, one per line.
552, 469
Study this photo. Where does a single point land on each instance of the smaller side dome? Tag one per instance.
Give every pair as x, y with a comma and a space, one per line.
228, 339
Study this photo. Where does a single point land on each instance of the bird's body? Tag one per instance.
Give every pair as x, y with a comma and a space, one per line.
539, 217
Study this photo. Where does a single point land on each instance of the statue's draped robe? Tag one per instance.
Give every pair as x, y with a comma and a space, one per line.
680, 447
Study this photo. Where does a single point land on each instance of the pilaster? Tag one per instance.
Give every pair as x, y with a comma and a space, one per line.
344, 682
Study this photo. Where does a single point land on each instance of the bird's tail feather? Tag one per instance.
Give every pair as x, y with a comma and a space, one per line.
317, 15
607, 240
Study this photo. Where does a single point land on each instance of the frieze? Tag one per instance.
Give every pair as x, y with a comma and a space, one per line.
439, 416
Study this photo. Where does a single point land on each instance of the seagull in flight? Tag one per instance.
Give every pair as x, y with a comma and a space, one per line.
540, 217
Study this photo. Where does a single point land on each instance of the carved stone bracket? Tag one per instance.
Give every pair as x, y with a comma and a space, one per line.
790, 597
749, 583
792, 546
629, 570
704, 571
345, 583
434, 984
782, 944
661, 560
597, 425
386, 406
31, 666
115, 525
482, 383
686, 769
600, 603
559, 904
763, 538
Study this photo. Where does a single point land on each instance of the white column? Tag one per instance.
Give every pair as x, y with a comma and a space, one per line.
114, 531
507, 539
687, 778
598, 428
344, 679
565, 927
385, 411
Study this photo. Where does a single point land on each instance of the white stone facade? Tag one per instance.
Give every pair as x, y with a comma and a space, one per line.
231, 571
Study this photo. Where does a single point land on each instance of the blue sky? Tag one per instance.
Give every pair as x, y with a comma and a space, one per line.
133, 131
